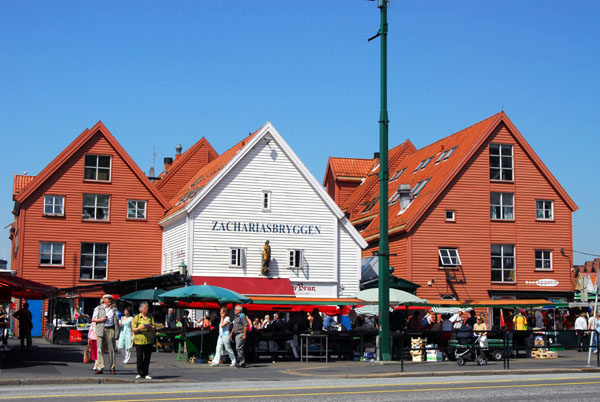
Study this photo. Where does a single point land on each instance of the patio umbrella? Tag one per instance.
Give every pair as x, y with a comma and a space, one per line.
142, 295
396, 297
369, 309
204, 293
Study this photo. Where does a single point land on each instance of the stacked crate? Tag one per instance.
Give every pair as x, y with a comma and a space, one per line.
541, 351
416, 346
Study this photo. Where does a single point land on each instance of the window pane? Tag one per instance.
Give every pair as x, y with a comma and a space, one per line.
101, 248
495, 149
507, 162
104, 174
496, 276
507, 174
99, 273
507, 199
508, 213
495, 161
103, 200
86, 273
507, 150
496, 262
104, 161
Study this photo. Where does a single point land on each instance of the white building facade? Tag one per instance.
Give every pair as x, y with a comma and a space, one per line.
264, 192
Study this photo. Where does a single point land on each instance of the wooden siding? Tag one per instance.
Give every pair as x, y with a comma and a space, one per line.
474, 232
134, 246
348, 264
174, 245
238, 197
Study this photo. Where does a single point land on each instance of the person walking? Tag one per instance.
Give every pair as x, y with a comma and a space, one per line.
581, 326
240, 330
25, 326
126, 337
224, 340
107, 332
143, 337
4, 323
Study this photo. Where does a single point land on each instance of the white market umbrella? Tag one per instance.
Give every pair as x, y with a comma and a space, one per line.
397, 297
369, 309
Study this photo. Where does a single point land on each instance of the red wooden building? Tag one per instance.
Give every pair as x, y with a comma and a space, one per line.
475, 215
90, 216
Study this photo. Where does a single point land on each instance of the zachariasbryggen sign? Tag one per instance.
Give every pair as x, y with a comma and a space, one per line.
261, 227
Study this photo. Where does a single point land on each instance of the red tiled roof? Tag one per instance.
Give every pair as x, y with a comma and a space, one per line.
440, 174
204, 176
19, 183
350, 167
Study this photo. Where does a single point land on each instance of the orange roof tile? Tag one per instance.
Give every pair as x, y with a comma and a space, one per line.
204, 176
350, 167
438, 175
19, 183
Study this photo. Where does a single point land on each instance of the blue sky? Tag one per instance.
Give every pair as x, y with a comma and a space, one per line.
162, 73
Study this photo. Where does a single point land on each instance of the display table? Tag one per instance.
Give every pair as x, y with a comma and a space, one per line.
314, 339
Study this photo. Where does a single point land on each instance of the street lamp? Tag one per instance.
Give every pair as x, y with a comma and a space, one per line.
182, 268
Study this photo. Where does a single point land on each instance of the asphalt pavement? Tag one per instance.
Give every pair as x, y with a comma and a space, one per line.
62, 364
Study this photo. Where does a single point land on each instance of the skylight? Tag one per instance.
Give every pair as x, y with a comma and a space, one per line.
419, 166
420, 186
439, 159
370, 205
450, 152
397, 174
426, 162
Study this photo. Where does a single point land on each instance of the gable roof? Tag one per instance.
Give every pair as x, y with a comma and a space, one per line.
73, 147
439, 175
182, 169
20, 182
214, 172
347, 168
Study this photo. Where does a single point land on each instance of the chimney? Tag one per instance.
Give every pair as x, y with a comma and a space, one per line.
178, 149
375, 159
404, 195
168, 163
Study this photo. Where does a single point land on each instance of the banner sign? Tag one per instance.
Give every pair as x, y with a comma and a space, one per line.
543, 282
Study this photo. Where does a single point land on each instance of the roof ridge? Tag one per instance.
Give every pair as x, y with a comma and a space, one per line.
185, 157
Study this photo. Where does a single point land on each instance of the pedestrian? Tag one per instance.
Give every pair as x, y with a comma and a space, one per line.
239, 333
107, 332
143, 337
126, 337
581, 327
170, 320
266, 324
592, 325
25, 326
539, 319
93, 345
224, 340
4, 323
597, 332
480, 328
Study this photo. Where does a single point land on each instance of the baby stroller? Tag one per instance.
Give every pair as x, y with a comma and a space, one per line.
468, 349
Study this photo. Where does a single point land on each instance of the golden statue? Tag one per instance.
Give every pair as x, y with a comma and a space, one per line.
266, 259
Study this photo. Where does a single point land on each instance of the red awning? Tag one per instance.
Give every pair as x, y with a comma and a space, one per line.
24, 288
250, 286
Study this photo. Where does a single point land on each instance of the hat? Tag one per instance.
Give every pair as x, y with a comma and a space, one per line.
107, 296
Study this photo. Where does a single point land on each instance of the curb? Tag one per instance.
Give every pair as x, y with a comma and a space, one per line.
77, 380
474, 373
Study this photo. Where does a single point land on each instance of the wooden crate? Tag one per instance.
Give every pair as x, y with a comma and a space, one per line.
544, 354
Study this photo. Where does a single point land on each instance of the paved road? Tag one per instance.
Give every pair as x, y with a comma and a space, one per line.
565, 387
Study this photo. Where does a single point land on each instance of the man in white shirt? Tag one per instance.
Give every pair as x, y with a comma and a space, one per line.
581, 326
107, 330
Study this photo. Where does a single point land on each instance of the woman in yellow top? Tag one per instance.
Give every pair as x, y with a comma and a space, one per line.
143, 337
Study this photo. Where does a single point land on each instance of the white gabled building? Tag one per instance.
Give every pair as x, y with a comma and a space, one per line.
256, 191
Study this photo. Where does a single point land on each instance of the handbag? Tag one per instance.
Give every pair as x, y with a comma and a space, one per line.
86, 355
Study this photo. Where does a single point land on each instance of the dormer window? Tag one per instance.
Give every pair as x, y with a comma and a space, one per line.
97, 167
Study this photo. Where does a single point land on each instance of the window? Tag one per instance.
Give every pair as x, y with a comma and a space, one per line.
95, 207
544, 209
136, 209
266, 201
449, 257
395, 197
501, 162
543, 260
439, 159
54, 205
97, 167
426, 162
419, 166
418, 187
237, 257
503, 263
296, 258
51, 253
94, 258
397, 174
450, 215
450, 152
370, 205
501, 206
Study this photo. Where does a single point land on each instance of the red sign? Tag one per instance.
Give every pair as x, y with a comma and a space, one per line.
75, 336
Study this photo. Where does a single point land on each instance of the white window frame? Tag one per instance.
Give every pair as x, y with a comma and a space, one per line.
52, 253
240, 257
295, 258
503, 206
95, 206
449, 257
453, 218
543, 259
500, 157
53, 204
544, 210
97, 168
135, 209
503, 259
266, 201
95, 256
